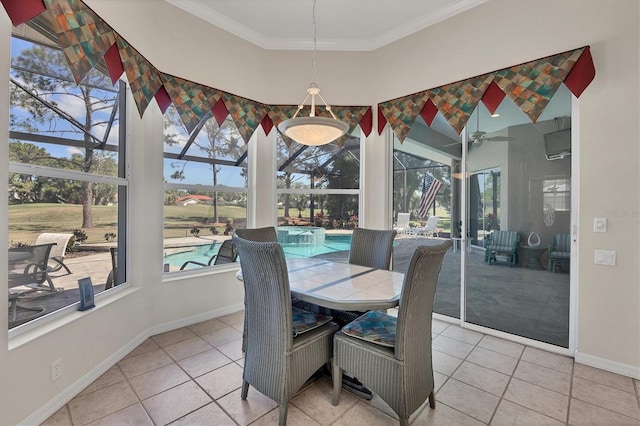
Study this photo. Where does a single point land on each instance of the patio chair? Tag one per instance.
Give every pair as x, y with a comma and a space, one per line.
389, 355
281, 354
373, 248
226, 254
559, 251
28, 273
402, 224
502, 244
429, 229
58, 251
112, 278
267, 234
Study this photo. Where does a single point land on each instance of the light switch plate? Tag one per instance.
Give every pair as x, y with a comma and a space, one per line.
605, 257
599, 224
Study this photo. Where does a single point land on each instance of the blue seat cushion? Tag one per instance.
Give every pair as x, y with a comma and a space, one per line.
375, 327
303, 321
501, 248
560, 254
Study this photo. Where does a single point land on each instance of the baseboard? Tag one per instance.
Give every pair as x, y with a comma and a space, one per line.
62, 398
632, 371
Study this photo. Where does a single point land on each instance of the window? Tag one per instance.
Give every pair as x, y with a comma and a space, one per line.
556, 194
317, 186
66, 176
205, 186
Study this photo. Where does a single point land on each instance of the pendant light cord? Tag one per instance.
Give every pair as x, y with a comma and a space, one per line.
315, 42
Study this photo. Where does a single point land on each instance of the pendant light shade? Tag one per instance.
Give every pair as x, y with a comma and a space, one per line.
313, 130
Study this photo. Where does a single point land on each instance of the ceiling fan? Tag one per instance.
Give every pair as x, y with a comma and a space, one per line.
478, 137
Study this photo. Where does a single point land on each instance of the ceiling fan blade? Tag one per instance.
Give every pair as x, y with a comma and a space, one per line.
451, 144
498, 138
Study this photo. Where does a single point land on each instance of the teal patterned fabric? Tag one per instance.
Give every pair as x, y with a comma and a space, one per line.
375, 327
304, 321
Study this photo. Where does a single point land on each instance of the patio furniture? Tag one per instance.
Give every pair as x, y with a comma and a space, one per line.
392, 356
276, 363
265, 234
502, 244
402, 224
559, 251
112, 278
430, 228
373, 248
58, 251
227, 253
28, 273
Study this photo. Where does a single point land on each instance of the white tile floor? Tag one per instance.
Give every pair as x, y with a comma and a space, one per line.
192, 376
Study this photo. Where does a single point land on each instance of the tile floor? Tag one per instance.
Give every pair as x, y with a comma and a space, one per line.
192, 376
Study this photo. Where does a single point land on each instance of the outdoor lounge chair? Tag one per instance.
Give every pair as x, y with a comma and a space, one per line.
281, 354
226, 254
392, 356
559, 251
57, 251
402, 224
430, 228
502, 244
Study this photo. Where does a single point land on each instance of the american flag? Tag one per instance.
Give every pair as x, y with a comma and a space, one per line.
430, 188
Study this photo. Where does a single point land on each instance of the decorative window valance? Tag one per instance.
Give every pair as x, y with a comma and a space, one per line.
85, 39
530, 86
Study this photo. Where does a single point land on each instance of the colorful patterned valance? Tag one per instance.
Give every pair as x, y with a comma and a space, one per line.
530, 86
86, 39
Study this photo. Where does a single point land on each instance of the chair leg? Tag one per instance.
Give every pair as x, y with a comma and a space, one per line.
337, 384
283, 415
245, 389
432, 399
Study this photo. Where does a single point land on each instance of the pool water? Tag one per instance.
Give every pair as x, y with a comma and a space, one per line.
203, 253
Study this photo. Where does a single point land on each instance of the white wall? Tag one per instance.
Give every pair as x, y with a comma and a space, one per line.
609, 297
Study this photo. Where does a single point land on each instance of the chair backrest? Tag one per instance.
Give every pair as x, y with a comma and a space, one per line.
267, 234
432, 223
60, 241
31, 268
266, 286
505, 238
403, 220
226, 254
371, 247
413, 330
561, 242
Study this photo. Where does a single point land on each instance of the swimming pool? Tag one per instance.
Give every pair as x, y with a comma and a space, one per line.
202, 253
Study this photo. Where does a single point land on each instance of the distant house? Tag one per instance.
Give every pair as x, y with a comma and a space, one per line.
188, 200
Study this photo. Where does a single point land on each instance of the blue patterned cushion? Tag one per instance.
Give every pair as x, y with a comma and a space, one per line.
375, 327
304, 321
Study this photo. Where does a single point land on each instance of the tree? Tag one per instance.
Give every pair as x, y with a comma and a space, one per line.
214, 141
45, 72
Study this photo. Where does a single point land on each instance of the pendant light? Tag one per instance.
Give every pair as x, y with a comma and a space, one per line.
313, 130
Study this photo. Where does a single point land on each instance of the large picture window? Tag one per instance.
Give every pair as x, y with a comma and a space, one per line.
67, 186
205, 186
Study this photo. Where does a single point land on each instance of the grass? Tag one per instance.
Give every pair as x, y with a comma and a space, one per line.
26, 221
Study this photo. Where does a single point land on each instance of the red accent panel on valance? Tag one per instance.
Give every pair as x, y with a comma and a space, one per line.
429, 112
163, 99
114, 63
220, 112
267, 124
582, 73
20, 11
493, 97
381, 120
366, 123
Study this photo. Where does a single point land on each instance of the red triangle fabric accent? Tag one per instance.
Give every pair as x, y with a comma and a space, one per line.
114, 63
493, 97
381, 120
220, 112
582, 73
366, 123
267, 124
429, 112
163, 99
20, 11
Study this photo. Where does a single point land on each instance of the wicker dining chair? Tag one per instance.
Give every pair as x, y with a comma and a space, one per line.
373, 248
392, 357
263, 235
276, 363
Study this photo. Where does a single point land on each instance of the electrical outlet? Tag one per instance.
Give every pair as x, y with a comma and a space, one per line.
56, 370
